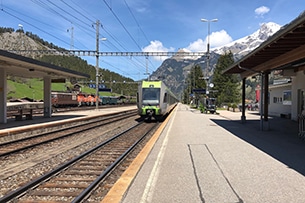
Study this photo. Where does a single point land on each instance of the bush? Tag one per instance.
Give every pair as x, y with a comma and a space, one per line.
201, 108
234, 106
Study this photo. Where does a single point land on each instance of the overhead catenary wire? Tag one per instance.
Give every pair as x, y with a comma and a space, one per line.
122, 24
76, 10
81, 22
136, 21
72, 20
113, 37
138, 25
35, 26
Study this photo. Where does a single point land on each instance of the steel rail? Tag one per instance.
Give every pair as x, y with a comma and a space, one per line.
57, 131
101, 177
35, 183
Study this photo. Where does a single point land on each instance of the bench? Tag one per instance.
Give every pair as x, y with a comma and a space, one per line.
282, 115
28, 115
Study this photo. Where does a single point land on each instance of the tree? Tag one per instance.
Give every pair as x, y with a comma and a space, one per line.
194, 80
226, 85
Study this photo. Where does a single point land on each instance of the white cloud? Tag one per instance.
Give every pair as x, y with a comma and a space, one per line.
261, 11
157, 46
197, 46
220, 38
217, 39
138, 5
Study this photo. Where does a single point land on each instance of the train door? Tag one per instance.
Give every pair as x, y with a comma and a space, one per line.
165, 100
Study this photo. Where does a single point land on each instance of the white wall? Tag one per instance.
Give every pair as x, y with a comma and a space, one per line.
276, 104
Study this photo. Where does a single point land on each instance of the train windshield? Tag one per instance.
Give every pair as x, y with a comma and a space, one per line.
151, 96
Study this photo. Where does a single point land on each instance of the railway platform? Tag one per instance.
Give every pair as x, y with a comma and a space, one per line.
57, 117
216, 158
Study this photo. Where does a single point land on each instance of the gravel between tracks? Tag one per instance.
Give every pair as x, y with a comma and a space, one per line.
21, 168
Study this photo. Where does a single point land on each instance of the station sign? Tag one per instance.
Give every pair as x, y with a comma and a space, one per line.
104, 90
200, 91
100, 86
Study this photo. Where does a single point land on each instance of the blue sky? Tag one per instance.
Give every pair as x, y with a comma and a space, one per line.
143, 25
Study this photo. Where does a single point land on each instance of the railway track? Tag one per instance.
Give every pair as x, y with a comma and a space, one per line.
39, 112
76, 179
18, 145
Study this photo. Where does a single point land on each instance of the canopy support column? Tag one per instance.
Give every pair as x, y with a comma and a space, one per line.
3, 97
266, 100
243, 104
47, 110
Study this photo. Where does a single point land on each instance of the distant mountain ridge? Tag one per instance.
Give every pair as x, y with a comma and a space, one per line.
174, 71
246, 44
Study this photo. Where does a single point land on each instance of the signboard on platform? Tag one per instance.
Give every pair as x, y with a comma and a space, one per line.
104, 90
199, 91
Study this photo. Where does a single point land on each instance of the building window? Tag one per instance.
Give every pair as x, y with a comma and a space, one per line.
287, 97
277, 100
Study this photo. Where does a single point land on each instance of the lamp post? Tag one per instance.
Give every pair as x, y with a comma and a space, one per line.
208, 48
97, 63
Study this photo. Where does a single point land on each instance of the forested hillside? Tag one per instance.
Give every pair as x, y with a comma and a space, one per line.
10, 40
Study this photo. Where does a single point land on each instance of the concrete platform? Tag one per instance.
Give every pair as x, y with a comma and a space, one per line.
13, 125
217, 158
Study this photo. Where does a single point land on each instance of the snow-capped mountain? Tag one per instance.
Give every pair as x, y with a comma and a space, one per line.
247, 44
174, 70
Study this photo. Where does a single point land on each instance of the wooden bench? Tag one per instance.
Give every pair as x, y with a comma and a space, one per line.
28, 115
23, 109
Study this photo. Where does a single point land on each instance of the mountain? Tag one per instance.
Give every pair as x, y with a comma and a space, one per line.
18, 40
174, 71
246, 44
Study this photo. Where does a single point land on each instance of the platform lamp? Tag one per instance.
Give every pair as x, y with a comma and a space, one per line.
97, 64
208, 49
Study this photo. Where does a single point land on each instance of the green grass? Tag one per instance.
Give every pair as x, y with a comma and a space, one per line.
33, 88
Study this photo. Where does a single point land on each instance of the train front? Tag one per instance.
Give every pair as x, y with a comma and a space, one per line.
149, 99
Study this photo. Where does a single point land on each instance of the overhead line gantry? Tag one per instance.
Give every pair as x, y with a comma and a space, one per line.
95, 53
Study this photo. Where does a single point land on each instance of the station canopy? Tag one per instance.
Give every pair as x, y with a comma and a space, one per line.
20, 66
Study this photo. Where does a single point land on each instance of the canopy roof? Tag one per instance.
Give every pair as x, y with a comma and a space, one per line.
17, 65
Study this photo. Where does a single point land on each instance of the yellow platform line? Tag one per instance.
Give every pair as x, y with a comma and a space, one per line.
118, 190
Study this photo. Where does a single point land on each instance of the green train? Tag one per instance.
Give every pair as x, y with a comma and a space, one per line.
154, 100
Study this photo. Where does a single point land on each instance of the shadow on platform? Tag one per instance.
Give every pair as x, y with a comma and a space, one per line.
281, 141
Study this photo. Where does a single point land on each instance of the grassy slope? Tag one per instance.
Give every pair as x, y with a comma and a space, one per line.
33, 88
